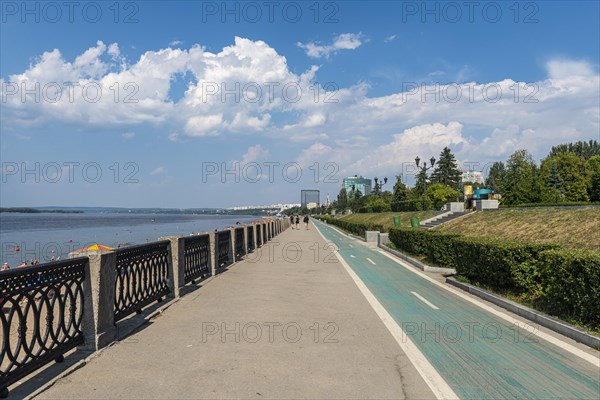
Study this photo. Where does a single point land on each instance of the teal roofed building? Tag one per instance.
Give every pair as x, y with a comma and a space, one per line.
359, 183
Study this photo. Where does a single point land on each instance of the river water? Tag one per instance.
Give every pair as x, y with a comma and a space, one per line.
49, 235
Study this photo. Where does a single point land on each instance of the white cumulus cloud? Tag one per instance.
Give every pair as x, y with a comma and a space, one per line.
344, 41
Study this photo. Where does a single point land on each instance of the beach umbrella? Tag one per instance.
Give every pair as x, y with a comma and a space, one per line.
95, 247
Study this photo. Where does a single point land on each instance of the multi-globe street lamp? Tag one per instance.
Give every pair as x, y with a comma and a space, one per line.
379, 185
424, 168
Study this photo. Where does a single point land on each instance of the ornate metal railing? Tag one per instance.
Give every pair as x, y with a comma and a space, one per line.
250, 230
196, 257
259, 236
223, 240
240, 248
42, 311
142, 277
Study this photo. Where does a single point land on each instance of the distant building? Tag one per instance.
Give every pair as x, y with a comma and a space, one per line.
310, 199
363, 185
472, 176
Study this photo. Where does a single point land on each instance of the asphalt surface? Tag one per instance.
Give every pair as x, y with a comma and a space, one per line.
477, 353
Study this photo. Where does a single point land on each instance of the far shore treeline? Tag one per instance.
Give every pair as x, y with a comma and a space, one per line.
28, 210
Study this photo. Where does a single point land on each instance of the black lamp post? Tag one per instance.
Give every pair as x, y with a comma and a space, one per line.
379, 185
424, 168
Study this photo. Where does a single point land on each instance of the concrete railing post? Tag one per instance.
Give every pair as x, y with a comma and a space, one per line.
213, 253
253, 227
245, 240
232, 257
99, 295
176, 264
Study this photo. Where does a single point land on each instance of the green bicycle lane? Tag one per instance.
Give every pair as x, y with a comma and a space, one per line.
479, 354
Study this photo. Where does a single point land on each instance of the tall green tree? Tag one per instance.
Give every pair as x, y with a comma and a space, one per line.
583, 149
521, 180
555, 184
419, 183
594, 187
342, 200
446, 170
573, 172
495, 178
400, 190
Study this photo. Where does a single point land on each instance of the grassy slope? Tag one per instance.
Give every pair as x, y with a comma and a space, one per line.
571, 228
386, 219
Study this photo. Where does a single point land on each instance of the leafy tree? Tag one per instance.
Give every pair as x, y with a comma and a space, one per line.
593, 165
387, 197
342, 200
555, 183
400, 190
375, 204
571, 170
521, 179
419, 183
356, 200
495, 178
439, 194
446, 170
583, 149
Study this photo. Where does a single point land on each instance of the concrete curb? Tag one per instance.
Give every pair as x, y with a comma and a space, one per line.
417, 263
535, 316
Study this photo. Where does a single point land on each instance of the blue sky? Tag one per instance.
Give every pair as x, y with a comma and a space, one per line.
388, 77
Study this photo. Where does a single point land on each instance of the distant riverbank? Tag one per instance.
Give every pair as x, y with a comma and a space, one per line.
28, 210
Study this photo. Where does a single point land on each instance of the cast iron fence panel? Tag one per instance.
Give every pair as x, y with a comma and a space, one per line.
240, 249
223, 240
197, 257
142, 277
250, 230
42, 312
259, 236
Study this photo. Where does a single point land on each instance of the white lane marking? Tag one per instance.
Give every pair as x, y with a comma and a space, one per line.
593, 359
371, 261
424, 300
434, 380
352, 256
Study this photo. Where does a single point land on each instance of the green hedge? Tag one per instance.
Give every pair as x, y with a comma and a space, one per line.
353, 227
561, 282
570, 283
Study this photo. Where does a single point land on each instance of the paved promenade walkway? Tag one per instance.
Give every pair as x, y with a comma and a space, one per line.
316, 314
287, 322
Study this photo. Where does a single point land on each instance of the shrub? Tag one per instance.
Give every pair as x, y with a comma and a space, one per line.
407, 205
562, 282
570, 280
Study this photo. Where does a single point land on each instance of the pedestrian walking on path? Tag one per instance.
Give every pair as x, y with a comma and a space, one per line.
292, 221
306, 221
297, 222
